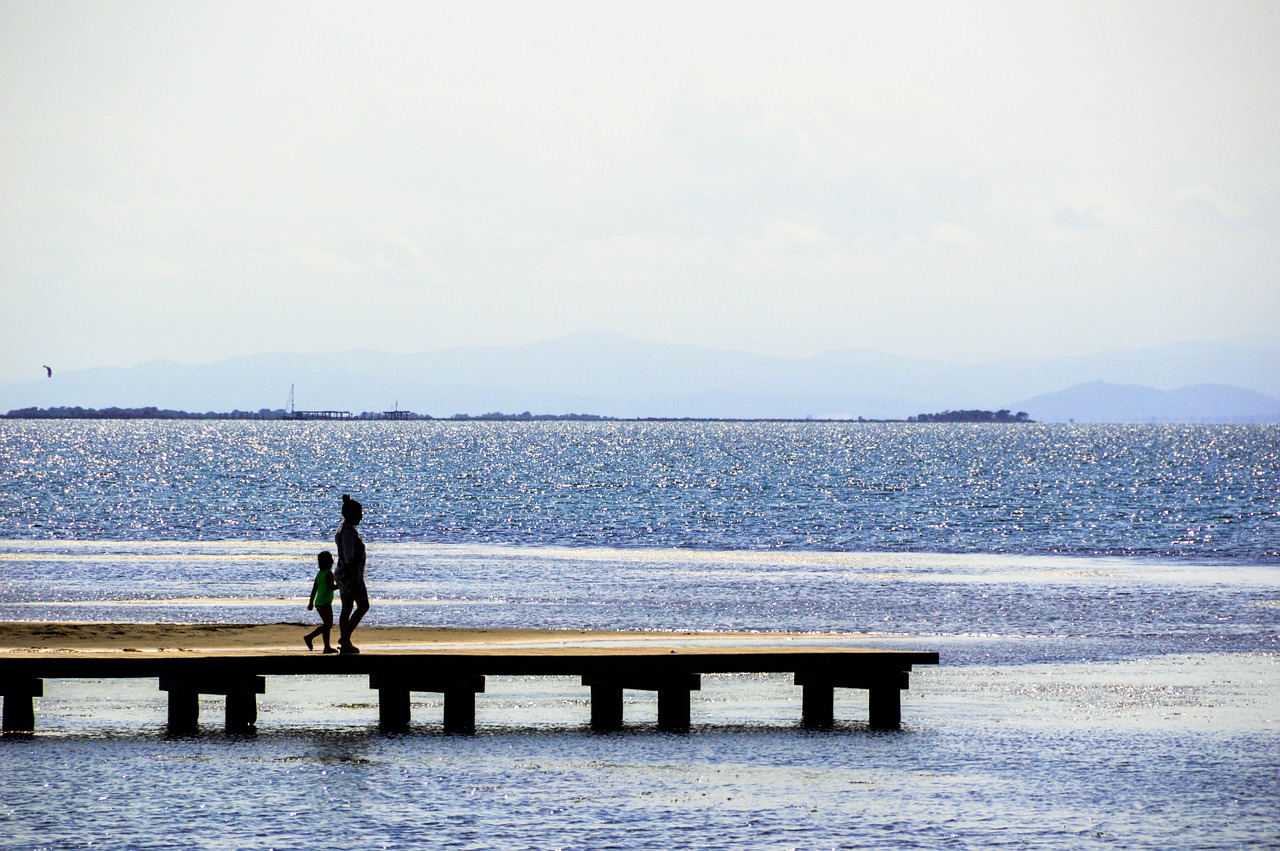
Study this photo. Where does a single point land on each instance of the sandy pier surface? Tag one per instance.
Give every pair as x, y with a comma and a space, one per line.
23, 638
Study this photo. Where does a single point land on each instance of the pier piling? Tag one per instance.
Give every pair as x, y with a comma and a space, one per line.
459, 693
884, 702
673, 698
673, 673
19, 703
241, 707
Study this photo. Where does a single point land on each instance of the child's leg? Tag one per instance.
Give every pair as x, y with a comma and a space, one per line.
326, 615
311, 636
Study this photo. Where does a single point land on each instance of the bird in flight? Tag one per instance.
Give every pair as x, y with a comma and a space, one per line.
49, 370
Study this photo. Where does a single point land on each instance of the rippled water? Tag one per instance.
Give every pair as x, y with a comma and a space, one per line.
1013, 607
1052, 757
1210, 491
1106, 601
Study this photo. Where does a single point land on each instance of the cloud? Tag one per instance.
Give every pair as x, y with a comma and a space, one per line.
1199, 203
953, 236
1097, 210
309, 258
500, 174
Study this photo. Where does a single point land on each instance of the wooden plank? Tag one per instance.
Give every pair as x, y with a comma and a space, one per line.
216, 685
502, 662
645, 681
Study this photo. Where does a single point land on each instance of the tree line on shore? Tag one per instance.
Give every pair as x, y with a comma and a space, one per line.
149, 413
152, 413
975, 416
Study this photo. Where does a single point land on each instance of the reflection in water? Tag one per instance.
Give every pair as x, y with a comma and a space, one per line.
1046, 756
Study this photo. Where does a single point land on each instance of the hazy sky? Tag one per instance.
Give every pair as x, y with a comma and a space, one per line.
198, 180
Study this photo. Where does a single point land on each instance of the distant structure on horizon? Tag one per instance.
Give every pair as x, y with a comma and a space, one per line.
397, 414
291, 414
319, 415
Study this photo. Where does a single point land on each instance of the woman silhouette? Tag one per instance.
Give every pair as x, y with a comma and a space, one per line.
349, 574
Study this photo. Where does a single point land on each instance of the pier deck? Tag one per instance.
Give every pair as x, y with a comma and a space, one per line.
673, 672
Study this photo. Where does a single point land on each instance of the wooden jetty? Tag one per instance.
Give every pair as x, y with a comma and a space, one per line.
459, 675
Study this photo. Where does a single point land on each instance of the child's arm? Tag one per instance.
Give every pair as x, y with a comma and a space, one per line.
315, 586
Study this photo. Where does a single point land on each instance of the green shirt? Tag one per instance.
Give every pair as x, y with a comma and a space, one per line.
324, 587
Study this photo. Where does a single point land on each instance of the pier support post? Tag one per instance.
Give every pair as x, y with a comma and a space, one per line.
674, 706
184, 709
606, 706
459, 694
885, 704
460, 707
884, 696
19, 704
673, 698
393, 709
818, 705
241, 708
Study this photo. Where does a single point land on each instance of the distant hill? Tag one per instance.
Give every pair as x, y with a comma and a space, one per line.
612, 375
1100, 402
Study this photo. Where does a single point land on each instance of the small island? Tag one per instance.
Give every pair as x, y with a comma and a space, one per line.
1001, 416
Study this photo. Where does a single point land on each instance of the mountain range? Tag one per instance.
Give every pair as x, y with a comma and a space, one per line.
613, 375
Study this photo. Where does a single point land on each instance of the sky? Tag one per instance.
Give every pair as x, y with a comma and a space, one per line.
958, 181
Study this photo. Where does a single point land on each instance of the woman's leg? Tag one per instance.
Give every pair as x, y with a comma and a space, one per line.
362, 605
344, 617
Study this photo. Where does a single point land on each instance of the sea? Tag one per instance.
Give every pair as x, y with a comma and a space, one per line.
1105, 600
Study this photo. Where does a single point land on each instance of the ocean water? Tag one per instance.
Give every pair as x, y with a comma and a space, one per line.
1167, 491
1106, 602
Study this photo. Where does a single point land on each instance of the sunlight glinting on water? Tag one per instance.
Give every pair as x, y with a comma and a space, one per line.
1103, 599
1207, 491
